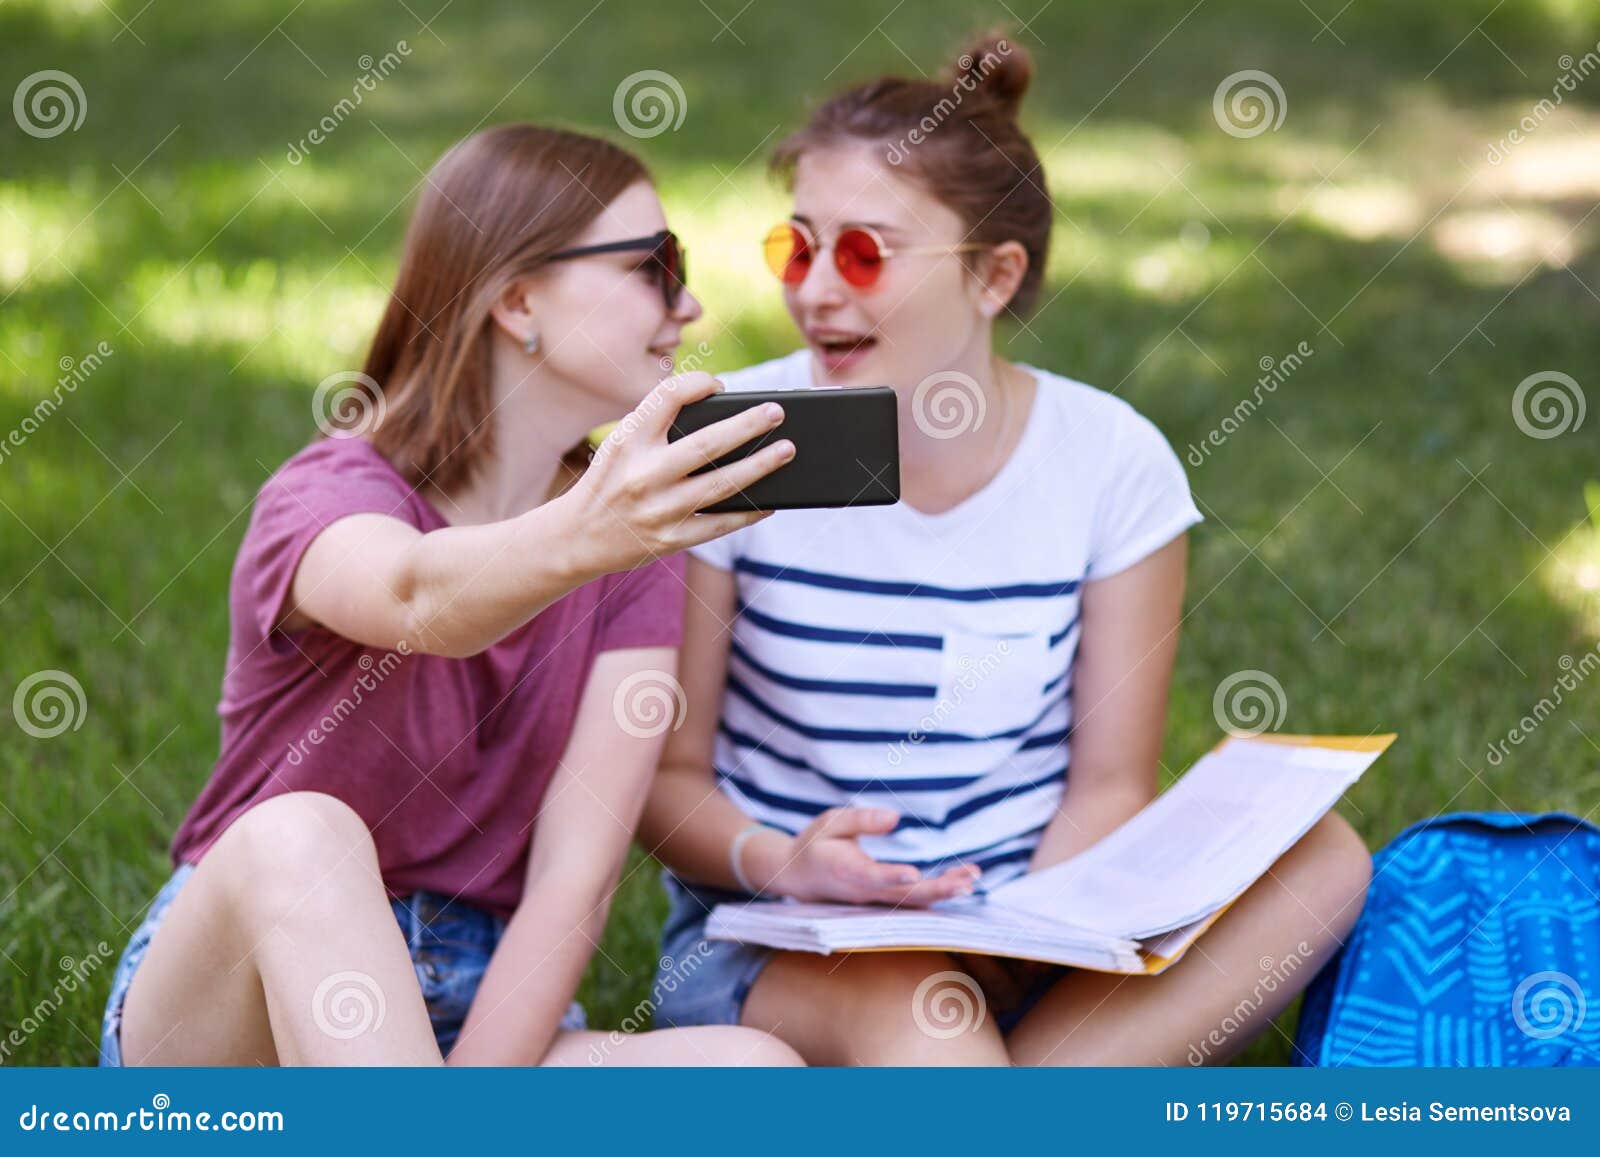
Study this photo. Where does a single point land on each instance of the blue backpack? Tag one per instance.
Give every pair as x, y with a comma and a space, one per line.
1479, 946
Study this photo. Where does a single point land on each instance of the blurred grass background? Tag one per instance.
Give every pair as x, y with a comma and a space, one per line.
1383, 539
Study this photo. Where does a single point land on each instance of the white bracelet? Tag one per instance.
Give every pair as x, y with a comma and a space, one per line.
733, 856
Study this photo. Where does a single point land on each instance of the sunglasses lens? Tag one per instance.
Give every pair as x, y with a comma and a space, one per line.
858, 258
787, 253
674, 270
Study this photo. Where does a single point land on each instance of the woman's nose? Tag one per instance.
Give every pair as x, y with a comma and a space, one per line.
822, 284
689, 309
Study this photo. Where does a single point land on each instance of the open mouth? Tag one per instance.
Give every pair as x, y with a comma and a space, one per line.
845, 345
841, 349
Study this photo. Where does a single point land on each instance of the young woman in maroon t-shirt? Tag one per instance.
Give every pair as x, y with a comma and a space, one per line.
452, 654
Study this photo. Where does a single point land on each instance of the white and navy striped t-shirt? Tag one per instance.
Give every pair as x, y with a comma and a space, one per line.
923, 662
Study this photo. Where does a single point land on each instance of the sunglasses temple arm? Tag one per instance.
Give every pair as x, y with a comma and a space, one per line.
970, 247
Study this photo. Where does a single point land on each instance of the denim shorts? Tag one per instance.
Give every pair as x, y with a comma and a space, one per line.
700, 981
450, 945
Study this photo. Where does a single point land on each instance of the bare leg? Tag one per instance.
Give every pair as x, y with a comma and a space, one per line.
1233, 981
875, 1008
281, 949
686, 1047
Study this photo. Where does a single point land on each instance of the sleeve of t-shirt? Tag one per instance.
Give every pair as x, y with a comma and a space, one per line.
1146, 502
299, 502
644, 607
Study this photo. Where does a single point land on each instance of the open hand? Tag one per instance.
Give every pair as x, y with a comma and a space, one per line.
827, 863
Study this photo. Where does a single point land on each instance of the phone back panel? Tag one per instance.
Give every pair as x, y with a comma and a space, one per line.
847, 447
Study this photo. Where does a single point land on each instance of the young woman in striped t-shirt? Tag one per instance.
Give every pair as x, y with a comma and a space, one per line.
899, 704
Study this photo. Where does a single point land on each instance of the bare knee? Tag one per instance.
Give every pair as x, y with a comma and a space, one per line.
1332, 870
287, 851
298, 826
765, 1051
731, 1045
1342, 853
937, 1010
908, 1008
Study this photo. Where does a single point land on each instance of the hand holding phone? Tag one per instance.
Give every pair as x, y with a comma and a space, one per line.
847, 447
640, 496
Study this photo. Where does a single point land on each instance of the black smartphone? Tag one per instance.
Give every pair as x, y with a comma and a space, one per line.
846, 442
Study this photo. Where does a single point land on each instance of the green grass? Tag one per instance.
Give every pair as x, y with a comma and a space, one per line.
1429, 584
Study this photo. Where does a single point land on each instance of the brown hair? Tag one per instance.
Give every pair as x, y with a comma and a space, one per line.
492, 209
959, 138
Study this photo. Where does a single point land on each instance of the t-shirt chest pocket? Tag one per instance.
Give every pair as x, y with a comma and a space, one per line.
990, 683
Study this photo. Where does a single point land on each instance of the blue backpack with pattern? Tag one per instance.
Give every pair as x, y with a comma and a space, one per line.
1479, 946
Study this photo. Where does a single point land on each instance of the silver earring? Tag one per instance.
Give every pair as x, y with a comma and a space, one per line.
530, 344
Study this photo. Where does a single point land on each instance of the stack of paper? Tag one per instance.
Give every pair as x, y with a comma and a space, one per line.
1136, 900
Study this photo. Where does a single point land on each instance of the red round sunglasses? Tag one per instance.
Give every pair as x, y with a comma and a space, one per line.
858, 253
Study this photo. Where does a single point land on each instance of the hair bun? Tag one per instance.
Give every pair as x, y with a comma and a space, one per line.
999, 67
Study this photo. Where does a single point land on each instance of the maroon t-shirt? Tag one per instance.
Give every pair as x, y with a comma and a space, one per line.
446, 760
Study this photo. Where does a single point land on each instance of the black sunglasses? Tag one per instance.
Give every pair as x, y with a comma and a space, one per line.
668, 263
